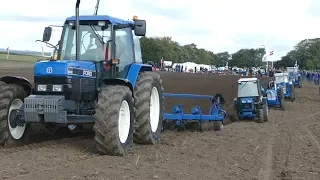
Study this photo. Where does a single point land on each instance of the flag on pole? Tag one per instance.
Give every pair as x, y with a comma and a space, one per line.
271, 53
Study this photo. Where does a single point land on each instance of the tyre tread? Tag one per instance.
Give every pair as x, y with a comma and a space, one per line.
143, 133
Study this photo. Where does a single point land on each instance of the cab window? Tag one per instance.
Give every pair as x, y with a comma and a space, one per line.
124, 47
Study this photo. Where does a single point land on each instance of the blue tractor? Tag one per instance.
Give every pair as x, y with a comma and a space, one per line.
275, 95
282, 80
250, 103
294, 76
107, 86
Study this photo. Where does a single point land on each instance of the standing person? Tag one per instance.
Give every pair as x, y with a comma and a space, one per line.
250, 72
259, 74
308, 76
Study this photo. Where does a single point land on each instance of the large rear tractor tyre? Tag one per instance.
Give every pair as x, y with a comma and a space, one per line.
114, 120
149, 108
11, 100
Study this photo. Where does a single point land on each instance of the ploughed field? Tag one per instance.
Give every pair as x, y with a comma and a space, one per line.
285, 147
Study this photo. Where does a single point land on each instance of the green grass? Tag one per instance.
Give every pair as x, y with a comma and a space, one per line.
21, 58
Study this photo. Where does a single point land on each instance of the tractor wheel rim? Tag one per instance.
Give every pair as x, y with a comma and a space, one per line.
124, 121
154, 109
18, 131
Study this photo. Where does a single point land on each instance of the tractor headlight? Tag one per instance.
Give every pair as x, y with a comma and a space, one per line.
42, 87
70, 70
57, 88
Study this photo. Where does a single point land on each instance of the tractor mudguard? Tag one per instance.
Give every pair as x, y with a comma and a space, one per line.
134, 70
20, 81
118, 81
131, 76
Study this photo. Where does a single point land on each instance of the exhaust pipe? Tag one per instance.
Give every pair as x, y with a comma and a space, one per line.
77, 31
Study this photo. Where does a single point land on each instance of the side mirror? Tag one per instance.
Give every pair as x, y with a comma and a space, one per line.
140, 27
47, 34
262, 90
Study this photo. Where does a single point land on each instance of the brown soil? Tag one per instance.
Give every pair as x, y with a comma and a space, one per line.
286, 147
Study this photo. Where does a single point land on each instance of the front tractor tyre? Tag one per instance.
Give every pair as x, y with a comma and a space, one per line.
11, 100
148, 108
114, 120
292, 97
282, 101
300, 82
292, 94
261, 115
265, 112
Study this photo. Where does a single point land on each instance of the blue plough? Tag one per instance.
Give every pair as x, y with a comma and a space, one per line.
216, 113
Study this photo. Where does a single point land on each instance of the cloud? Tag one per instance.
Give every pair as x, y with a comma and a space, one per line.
218, 26
314, 8
33, 19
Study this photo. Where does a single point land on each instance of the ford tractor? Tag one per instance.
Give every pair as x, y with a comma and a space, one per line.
250, 103
294, 76
282, 80
98, 78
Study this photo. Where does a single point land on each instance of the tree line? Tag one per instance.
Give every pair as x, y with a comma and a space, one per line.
306, 53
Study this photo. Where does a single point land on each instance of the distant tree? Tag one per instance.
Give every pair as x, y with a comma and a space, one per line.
306, 53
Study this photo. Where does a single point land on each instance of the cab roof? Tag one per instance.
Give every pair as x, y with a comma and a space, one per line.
112, 20
280, 74
247, 80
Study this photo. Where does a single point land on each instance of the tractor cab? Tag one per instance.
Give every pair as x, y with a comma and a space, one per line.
282, 80
277, 90
249, 102
106, 50
294, 76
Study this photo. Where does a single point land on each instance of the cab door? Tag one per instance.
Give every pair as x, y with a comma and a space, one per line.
124, 50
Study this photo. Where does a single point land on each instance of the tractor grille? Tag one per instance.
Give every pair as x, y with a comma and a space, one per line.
50, 80
246, 105
74, 88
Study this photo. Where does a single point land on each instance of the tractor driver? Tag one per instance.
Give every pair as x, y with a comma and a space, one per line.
271, 84
97, 53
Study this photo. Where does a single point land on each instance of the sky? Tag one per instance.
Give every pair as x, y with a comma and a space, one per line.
224, 25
